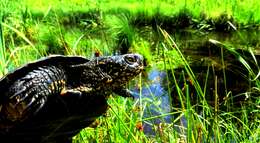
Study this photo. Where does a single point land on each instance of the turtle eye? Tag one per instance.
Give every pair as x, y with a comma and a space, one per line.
130, 59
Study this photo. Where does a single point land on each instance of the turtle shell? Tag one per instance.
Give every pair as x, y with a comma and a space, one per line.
11, 78
53, 60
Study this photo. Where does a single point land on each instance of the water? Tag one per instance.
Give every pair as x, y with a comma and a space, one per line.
196, 47
156, 100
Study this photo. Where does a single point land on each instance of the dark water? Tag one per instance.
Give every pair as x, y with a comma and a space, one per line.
195, 46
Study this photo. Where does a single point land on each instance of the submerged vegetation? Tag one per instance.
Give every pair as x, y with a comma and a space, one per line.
202, 79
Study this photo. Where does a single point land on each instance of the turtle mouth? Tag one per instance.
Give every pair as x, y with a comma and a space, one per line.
141, 68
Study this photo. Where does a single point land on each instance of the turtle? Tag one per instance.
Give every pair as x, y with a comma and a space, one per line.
52, 99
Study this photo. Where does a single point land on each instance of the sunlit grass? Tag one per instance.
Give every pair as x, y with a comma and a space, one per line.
32, 29
126, 117
242, 11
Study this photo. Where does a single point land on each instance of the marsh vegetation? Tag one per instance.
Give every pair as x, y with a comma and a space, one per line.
201, 82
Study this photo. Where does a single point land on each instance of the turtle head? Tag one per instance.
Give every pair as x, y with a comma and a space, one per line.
121, 68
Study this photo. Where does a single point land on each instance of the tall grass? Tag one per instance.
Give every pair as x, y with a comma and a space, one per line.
200, 122
32, 29
220, 125
58, 26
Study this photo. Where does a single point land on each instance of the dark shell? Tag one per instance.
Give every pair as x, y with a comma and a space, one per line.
54, 60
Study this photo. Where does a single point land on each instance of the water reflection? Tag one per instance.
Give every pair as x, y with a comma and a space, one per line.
155, 100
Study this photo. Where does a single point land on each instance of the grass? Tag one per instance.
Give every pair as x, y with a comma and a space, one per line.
215, 113
30, 30
211, 124
204, 123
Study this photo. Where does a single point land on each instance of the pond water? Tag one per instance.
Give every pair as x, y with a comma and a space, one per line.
155, 99
158, 100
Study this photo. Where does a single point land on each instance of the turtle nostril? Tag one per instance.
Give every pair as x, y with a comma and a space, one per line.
140, 60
